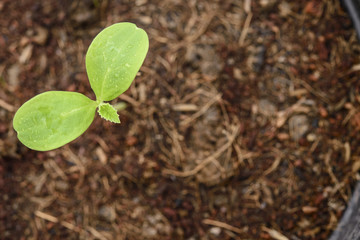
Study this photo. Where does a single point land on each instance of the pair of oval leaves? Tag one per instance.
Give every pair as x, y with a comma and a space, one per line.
53, 119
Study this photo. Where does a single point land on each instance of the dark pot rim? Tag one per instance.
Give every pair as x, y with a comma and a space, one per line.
349, 225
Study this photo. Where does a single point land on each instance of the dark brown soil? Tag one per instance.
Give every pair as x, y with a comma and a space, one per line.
242, 124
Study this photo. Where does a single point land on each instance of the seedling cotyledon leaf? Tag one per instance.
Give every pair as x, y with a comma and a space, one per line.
113, 59
52, 119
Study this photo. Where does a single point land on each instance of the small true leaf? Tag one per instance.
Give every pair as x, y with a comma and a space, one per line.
52, 119
108, 112
113, 59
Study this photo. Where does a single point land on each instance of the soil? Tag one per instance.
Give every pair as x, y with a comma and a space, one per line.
242, 123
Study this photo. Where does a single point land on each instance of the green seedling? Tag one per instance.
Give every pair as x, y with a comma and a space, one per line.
55, 118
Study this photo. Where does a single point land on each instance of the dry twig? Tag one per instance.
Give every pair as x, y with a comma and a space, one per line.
245, 29
201, 111
207, 160
7, 106
274, 234
222, 225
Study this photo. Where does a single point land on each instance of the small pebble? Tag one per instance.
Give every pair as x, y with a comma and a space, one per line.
107, 212
267, 108
323, 112
298, 126
215, 231
311, 137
